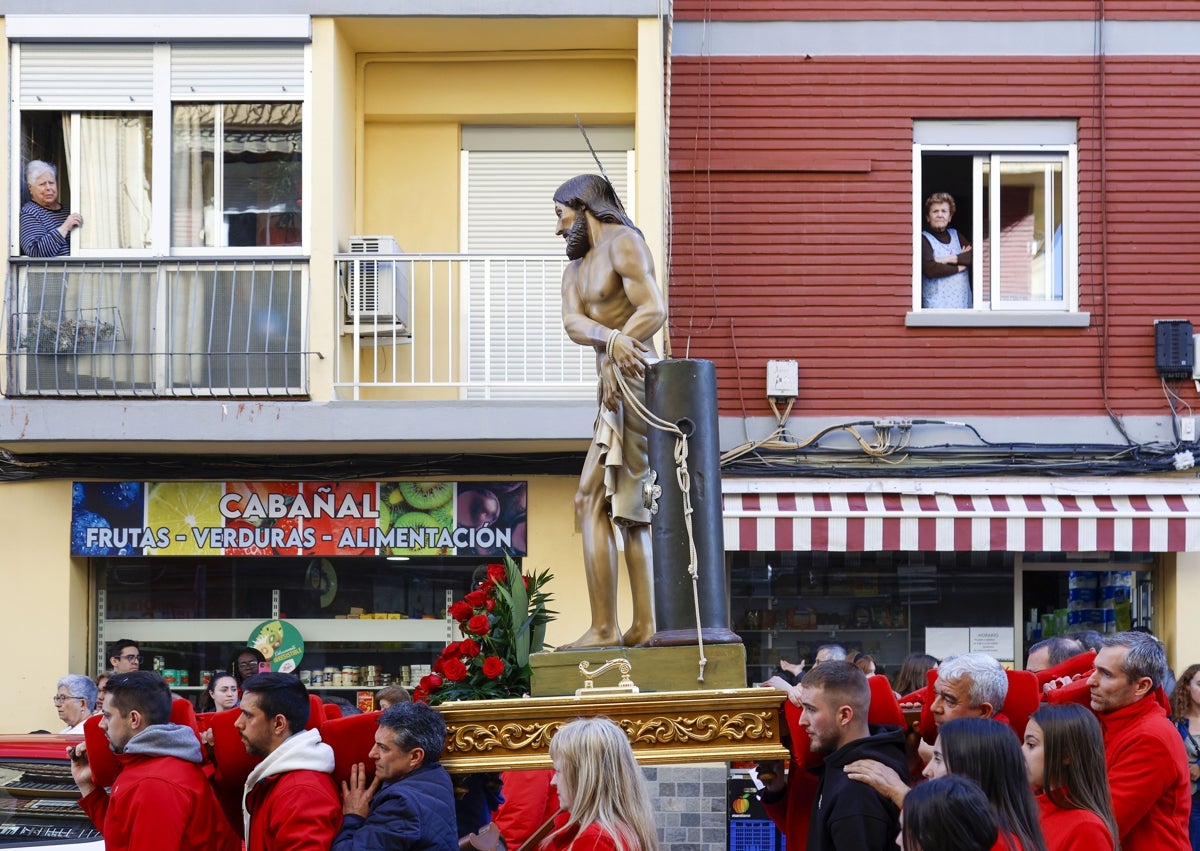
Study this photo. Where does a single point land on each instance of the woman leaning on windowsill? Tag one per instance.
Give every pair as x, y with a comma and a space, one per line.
45, 225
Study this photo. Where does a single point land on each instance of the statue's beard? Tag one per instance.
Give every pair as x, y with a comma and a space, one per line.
578, 243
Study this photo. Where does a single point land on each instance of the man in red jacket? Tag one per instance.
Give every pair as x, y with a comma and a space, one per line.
161, 800
1147, 766
290, 801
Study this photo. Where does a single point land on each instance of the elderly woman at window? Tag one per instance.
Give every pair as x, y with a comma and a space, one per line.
45, 225
945, 258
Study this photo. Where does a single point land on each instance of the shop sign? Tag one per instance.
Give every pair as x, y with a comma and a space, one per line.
409, 518
280, 644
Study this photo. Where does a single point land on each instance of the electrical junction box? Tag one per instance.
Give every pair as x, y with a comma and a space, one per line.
783, 379
1174, 349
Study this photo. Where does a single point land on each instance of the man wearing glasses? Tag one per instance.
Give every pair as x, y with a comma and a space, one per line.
124, 656
75, 701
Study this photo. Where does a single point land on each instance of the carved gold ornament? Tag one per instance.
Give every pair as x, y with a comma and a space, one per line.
718, 725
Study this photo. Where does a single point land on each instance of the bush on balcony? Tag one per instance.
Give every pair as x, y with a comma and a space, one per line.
51, 335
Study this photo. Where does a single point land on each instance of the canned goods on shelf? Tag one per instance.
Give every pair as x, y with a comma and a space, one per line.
306, 677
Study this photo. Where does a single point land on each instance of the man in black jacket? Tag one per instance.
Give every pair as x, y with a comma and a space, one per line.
846, 816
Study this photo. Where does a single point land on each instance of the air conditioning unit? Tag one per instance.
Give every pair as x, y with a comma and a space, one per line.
377, 290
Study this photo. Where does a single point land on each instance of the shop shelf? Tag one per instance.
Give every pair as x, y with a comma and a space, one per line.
433, 630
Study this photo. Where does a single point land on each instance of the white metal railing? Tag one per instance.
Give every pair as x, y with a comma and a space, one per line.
153, 328
469, 326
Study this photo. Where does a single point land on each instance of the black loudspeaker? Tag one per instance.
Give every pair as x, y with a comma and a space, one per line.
1174, 353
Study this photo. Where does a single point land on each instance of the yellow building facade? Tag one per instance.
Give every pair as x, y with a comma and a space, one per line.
385, 104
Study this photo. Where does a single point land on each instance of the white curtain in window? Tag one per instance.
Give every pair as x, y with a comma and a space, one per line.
114, 180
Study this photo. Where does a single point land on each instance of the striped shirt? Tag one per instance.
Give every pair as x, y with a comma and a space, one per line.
39, 231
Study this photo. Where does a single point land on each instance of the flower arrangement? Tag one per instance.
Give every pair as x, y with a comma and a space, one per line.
502, 620
58, 335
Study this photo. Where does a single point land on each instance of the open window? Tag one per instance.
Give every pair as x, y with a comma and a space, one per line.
1014, 186
232, 116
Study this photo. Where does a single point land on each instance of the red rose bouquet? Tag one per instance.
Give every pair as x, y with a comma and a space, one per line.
502, 620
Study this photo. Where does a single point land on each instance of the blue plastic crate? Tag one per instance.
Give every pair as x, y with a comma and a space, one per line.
754, 835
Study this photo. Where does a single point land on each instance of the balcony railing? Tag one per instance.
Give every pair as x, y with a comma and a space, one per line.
150, 328
411, 326
457, 326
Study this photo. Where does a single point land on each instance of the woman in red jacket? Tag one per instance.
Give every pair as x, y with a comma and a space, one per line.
1064, 750
599, 781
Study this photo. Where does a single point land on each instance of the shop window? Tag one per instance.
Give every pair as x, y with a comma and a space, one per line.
190, 616
787, 604
1014, 190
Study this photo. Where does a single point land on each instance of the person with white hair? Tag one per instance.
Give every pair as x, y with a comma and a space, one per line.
75, 700
45, 224
969, 685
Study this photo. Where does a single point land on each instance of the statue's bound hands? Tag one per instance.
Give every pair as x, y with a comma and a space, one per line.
610, 390
629, 354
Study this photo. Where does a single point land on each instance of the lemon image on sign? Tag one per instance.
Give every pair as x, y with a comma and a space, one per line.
181, 507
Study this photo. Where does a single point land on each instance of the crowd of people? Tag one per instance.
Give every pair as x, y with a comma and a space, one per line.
1103, 758
255, 771
1092, 746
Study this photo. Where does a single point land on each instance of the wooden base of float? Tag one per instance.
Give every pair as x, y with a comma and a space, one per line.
664, 728
653, 668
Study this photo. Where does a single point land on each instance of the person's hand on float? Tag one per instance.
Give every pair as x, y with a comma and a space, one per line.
795, 670
1059, 682
770, 774
356, 794
81, 769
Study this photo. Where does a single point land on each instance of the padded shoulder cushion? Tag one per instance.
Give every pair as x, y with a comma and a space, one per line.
885, 709
1024, 695
100, 756
1083, 663
351, 738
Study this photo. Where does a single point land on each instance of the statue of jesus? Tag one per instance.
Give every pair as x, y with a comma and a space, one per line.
610, 302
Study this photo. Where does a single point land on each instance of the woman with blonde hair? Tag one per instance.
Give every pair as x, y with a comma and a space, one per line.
1064, 752
600, 784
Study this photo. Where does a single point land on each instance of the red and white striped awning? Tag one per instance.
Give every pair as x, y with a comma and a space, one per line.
763, 516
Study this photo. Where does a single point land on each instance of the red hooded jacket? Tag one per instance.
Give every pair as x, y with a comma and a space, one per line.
161, 800
291, 803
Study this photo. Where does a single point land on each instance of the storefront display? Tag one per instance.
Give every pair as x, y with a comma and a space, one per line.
887, 605
385, 623
347, 584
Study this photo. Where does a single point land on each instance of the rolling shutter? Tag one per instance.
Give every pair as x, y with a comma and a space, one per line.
221, 72
86, 76
510, 210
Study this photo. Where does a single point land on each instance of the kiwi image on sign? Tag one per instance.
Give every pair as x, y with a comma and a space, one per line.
416, 505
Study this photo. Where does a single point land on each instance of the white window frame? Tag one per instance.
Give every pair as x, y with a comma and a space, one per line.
161, 111
996, 142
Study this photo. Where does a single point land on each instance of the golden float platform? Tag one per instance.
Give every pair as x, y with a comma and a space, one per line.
712, 724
